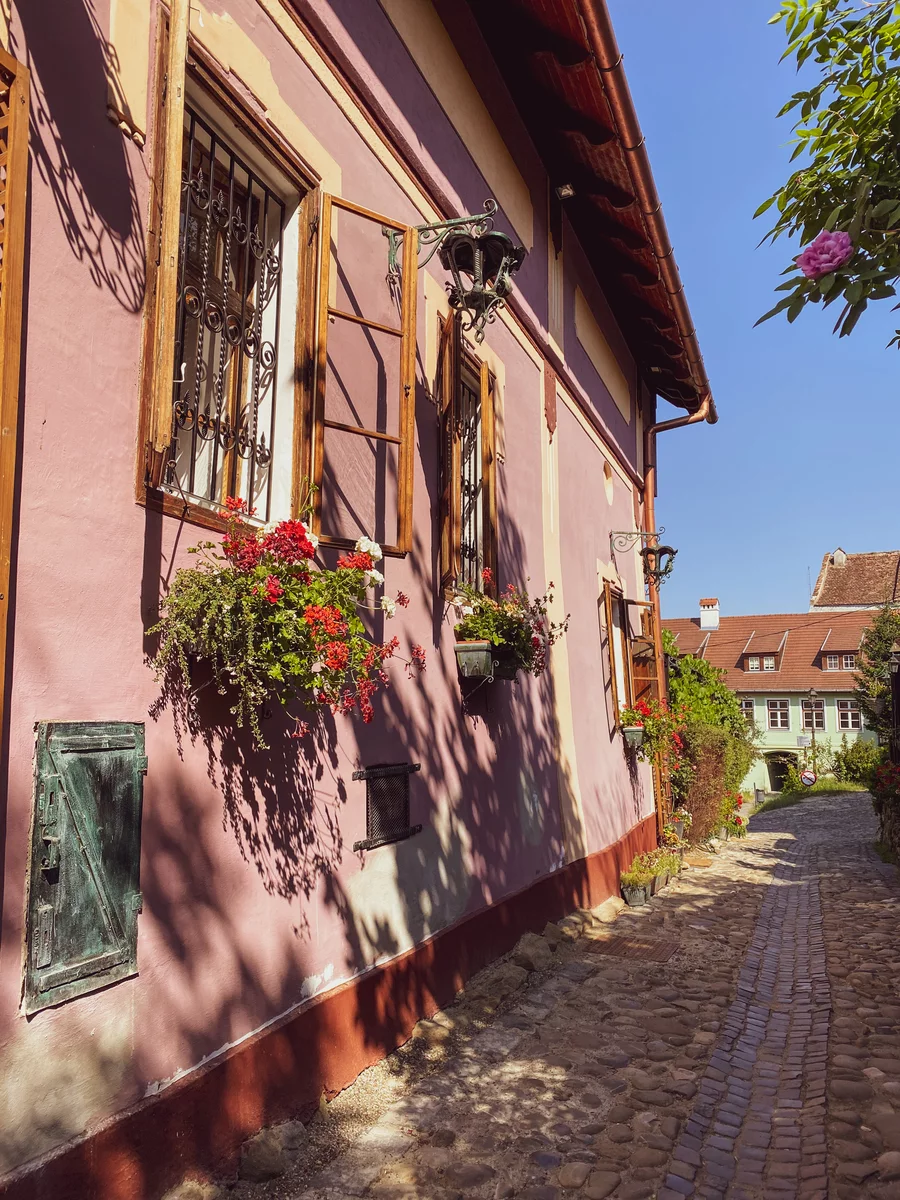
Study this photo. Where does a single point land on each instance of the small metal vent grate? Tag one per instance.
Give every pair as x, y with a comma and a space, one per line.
387, 804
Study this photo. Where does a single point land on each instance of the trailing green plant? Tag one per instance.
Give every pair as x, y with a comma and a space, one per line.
273, 626
873, 666
638, 874
514, 621
855, 761
843, 200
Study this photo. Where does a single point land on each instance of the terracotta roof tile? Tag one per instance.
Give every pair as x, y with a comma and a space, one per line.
872, 579
800, 666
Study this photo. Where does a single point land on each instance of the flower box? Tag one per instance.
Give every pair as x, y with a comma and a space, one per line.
634, 896
484, 660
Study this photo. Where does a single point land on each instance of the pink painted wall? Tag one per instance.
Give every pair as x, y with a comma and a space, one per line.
253, 898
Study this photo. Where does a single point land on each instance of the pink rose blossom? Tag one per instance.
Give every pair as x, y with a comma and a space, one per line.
825, 254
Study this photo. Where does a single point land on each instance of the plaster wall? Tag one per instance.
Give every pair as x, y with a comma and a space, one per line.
253, 900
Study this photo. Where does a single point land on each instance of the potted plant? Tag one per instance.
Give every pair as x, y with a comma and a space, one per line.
497, 638
635, 883
682, 821
650, 729
273, 626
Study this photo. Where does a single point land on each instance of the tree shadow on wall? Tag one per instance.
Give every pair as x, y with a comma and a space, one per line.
81, 156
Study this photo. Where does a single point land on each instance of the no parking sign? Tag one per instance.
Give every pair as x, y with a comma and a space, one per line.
808, 778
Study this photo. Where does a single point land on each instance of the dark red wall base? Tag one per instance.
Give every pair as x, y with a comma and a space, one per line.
197, 1125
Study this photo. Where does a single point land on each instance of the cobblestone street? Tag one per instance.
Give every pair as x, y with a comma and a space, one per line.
761, 1058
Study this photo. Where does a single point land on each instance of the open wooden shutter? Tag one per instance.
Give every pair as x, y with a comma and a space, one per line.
644, 676
448, 398
489, 473
619, 657
14, 97
364, 409
84, 885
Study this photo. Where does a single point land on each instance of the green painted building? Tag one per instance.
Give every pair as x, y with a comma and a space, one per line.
794, 675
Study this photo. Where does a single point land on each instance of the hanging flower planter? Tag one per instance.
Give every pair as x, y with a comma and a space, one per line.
495, 639
484, 660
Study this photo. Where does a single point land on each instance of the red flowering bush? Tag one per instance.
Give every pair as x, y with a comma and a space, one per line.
886, 781
729, 813
270, 623
662, 728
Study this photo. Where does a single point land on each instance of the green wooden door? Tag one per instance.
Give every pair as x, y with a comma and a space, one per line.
84, 883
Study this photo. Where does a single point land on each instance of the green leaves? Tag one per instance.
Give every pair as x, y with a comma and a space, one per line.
846, 146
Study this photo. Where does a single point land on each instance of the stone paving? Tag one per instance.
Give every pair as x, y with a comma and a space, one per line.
760, 1062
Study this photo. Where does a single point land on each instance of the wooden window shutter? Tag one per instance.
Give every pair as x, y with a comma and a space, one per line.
363, 435
450, 516
617, 644
489, 474
165, 297
645, 681
84, 884
14, 97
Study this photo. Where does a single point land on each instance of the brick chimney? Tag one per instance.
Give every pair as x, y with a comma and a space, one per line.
709, 614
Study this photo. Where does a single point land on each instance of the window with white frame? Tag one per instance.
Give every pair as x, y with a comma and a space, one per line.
752, 664
769, 662
779, 714
849, 716
747, 708
813, 714
849, 662
832, 662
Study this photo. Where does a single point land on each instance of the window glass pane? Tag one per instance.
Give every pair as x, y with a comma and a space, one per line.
768, 663
831, 662
754, 664
618, 646
849, 662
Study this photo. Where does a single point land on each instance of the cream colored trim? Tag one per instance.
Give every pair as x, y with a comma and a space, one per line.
598, 350
571, 806
5, 22
128, 66
431, 47
238, 54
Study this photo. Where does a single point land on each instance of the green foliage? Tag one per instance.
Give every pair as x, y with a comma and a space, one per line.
700, 690
792, 784
847, 125
856, 761
873, 669
639, 874
514, 621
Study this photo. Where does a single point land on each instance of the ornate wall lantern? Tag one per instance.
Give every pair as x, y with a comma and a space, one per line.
480, 259
634, 736
658, 562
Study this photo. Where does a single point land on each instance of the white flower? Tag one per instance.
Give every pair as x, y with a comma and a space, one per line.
315, 668
367, 546
374, 579
313, 539
466, 610
389, 605
269, 527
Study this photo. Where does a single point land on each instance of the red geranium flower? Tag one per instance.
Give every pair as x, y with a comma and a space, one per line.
359, 560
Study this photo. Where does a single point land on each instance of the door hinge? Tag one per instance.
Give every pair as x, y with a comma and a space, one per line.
313, 228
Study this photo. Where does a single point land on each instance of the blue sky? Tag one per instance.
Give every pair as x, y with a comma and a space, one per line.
803, 458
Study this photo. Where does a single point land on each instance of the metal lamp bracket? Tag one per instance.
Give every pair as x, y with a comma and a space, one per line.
431, 236
625, 540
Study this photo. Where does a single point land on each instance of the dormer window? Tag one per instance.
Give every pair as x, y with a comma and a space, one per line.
849, 662
832, 662
753, 663
769, 662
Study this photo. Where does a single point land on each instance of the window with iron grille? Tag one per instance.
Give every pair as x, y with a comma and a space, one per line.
813, 714
468, 465
779, 714
387, 804
849, 715
233, 403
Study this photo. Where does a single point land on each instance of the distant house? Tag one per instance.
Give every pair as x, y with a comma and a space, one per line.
772, 662
849, 582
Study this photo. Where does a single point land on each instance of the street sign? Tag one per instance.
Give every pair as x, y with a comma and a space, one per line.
808, 778
803, 739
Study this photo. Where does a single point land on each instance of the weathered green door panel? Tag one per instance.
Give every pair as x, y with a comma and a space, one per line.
84, 884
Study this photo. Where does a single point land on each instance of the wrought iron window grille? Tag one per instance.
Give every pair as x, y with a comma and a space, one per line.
227, 325
387, 804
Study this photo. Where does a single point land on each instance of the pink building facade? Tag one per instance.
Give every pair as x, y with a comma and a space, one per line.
273, 961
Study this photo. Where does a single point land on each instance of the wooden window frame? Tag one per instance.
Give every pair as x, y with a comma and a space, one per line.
406, 332
751, 659
849, 709
782, 706
208, 87
837, 662
769, 658
613, 598
848, 666
12, 275
455, 355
